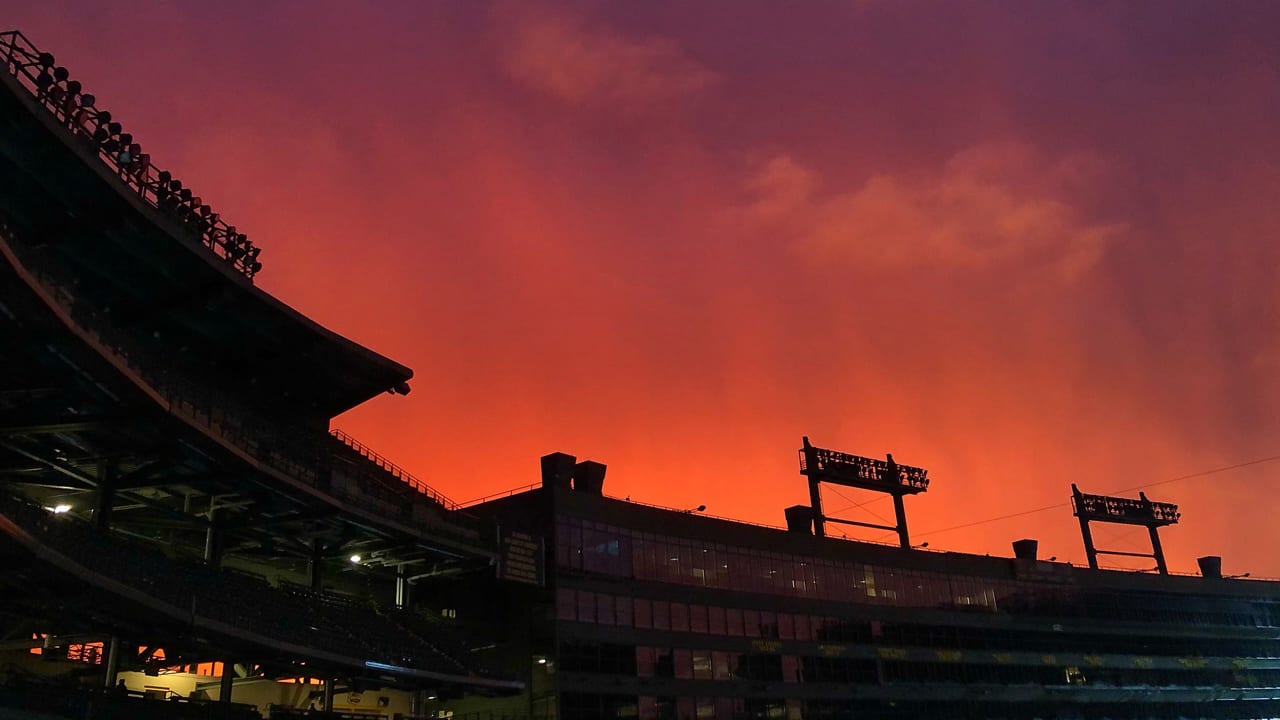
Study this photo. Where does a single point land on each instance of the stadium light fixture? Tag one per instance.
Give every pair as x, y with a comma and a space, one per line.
355, 559
61, 509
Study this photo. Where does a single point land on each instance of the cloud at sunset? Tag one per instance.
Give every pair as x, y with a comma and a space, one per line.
591, 63
988, 206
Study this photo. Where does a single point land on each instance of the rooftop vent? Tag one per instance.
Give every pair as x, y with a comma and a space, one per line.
557, 470
588, 477
1026, 549
1210, 566
799, 519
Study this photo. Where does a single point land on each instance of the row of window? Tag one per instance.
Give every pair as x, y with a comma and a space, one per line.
611, 550
607, 609
586, 706
697, 664
621, 610
592, 706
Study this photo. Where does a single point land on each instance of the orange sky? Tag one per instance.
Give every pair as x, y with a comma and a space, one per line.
1019, 250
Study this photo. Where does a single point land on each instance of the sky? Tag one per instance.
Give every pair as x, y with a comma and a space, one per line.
1018, 244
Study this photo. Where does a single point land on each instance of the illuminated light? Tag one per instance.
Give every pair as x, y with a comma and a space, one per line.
60, 509
355, 558
542, 661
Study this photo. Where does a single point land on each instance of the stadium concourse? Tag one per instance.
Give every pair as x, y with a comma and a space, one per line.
184, 536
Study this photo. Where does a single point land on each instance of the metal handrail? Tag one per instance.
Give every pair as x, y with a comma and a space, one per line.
393, 469
500, 494
92, 128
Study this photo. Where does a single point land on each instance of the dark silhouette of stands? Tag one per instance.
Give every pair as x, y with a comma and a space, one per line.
299, 616
77, 702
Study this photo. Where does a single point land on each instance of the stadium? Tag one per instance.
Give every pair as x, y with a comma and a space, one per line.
187, 537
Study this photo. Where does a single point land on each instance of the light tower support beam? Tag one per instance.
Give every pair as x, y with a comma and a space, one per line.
820, 465
1123, 511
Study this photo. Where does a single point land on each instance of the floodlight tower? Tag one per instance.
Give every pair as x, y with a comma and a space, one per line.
883, 476
1124, 511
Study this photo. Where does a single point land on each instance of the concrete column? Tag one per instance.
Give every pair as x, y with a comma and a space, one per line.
106, 496
213, 539
315, 566
402, 587
227, 682
113, 662
328, 695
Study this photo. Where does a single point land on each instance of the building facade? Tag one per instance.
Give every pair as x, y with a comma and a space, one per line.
656, 613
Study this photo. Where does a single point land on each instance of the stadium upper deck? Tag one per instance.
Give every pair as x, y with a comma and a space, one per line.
159, 405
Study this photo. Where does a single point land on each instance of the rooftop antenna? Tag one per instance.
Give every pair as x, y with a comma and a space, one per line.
883, 476
1124, 511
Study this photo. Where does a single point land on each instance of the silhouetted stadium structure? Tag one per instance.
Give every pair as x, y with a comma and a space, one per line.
184, 537
170, 492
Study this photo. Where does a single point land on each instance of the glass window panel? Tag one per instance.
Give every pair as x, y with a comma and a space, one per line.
586, 607
644, 613
604, 609
698, 618
644, 661
683, 660
803, 631
720, 665
679, 617
768, 624
661, 615
624, 611
733, 620
566, 605
786, 626
751, 621
715, 620
702, 665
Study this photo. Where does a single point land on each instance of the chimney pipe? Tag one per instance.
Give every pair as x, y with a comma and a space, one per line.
588, 477
557, 470
1210, 566
1025, 549
799, 519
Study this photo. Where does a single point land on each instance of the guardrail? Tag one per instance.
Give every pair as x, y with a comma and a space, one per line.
500, 494
90, 127
392, 469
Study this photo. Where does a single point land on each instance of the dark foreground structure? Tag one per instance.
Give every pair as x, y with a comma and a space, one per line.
661, 613
184, 537
172, 501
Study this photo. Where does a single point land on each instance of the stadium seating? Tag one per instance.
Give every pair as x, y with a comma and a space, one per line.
286, 614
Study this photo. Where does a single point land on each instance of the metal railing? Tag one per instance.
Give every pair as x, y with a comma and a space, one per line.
93, 129
294, 453
500, 494
392, 469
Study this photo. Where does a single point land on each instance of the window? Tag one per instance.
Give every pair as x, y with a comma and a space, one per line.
679, 617
566, 605
733, 618
698, 618
644, 613
623, 611
586, 606
661, 615
715, 620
